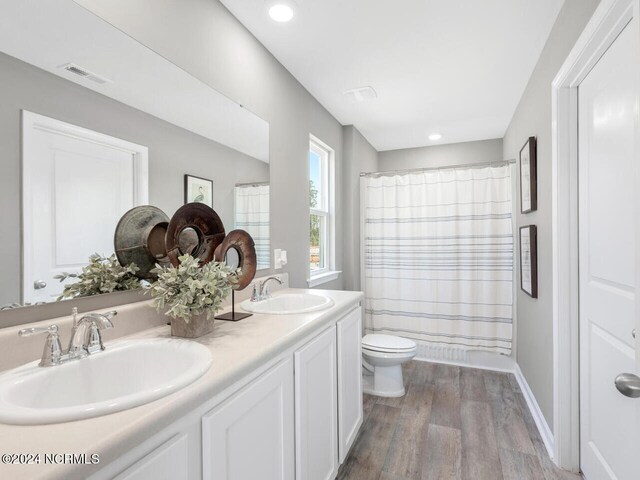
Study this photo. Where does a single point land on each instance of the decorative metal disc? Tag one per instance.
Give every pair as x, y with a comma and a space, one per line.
140, 239
243, 244
195, 229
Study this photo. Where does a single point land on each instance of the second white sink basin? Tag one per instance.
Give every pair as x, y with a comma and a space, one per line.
288, 303
127, 374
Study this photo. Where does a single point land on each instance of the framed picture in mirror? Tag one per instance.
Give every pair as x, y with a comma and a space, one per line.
529, 260
528, 177
198, 190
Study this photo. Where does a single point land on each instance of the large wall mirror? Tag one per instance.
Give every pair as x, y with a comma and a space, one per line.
94, 123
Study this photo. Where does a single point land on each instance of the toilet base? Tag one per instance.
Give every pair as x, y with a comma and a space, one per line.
385, 382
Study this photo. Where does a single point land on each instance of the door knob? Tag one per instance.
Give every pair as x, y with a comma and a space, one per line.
628, 384
39, 284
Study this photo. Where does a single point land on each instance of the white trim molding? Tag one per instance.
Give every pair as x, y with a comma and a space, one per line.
324, 277
329, 271
605, 25
467, 358
33, 122
536, 413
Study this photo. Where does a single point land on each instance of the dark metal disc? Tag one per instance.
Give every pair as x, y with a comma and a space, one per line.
140, 238
195, 229
242, 242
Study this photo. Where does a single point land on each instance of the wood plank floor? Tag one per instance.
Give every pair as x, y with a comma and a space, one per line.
453, 423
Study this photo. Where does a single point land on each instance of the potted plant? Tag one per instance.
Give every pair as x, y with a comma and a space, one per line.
102, 275
191, 294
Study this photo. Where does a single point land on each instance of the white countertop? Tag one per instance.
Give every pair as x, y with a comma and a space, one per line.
238, 348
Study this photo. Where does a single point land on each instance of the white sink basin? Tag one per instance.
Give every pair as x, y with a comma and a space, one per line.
288, 303
125, 375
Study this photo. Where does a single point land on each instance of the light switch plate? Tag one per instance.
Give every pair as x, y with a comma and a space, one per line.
279, 258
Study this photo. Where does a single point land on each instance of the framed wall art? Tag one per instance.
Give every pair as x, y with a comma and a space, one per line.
528, 177
529, 260
198, 190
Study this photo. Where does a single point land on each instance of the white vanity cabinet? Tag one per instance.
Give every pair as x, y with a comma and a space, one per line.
170, 461
316, 394
328, 386
251, 435
349, 335
295, 417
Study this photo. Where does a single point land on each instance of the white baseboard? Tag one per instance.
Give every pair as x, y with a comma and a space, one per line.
472, 359
536, 413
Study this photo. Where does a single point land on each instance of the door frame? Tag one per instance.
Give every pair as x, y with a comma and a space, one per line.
32, 122
608, 20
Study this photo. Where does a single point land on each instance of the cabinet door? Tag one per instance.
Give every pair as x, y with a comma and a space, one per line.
349, 380
167, 462
316, 408
251, 435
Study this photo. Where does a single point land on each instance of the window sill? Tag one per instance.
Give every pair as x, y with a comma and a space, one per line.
325, 277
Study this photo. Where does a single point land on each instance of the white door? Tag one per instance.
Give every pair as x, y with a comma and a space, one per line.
609, 241
317, 408
251, 435
76, 185
349, 381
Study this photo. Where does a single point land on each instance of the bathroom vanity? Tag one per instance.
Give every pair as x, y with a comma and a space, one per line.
281, 400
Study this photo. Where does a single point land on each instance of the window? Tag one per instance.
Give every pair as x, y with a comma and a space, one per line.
321, 225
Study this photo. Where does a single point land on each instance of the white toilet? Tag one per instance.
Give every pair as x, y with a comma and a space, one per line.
383, 357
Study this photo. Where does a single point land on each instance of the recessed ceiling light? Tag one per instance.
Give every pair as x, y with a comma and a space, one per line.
281, 10
435, 136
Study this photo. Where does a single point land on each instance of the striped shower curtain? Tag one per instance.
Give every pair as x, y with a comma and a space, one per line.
252, 215
438, 258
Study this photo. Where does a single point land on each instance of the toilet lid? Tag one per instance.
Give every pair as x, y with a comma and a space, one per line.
387, 343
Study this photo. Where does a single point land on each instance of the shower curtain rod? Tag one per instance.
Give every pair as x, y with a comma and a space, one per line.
252, 184
444, 167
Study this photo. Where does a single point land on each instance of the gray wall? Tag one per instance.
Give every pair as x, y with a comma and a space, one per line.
173, 152
202, 37
359, 156
441, 155
534, 338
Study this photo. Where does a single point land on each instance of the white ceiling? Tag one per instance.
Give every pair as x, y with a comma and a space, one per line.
57, 32
457, 67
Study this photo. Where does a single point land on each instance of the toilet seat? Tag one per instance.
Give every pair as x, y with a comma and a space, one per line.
376, 342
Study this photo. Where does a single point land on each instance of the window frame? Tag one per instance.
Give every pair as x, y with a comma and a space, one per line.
325, 210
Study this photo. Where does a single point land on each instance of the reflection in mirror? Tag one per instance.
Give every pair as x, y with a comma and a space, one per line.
232, 258
189, 242
252, 215
107, 125
140, 239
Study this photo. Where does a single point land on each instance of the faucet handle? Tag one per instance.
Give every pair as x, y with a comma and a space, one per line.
27, 332
52, 353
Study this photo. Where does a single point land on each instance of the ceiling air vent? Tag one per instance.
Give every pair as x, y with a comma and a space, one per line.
83, 72
361, 94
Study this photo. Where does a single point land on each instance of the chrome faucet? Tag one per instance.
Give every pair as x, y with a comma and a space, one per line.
85, 334
261, 289
85, 338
